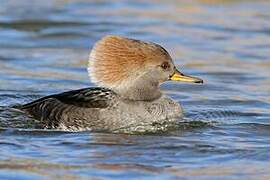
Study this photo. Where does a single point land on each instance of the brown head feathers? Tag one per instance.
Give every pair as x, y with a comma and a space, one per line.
114, 59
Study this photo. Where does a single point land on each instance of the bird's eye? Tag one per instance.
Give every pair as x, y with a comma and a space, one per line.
165, 65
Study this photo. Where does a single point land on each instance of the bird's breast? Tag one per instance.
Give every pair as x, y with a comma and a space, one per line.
159, 110
164, 108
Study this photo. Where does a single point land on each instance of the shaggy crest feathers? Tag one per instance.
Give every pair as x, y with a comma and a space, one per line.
114, 59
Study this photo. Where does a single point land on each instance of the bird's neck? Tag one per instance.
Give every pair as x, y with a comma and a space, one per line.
139, 91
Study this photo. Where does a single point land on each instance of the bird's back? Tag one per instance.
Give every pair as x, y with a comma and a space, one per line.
71, 109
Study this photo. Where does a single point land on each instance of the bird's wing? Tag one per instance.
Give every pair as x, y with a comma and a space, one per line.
87, 98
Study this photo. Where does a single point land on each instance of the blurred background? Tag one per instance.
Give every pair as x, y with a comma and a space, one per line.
44, 48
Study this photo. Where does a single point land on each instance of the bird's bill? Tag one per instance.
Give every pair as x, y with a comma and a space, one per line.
178, 76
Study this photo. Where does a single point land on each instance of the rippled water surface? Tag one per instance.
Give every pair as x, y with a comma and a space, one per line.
44, 47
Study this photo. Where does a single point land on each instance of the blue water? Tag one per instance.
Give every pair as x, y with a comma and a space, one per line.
44, 47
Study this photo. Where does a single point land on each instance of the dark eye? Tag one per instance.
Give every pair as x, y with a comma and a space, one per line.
165, 65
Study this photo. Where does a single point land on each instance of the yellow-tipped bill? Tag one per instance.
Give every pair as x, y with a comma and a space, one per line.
178, 76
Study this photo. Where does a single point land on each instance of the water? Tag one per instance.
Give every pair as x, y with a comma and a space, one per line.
44, 47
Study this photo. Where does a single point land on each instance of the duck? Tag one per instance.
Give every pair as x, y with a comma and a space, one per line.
128, 74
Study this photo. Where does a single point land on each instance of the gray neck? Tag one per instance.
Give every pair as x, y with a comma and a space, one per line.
140, 91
